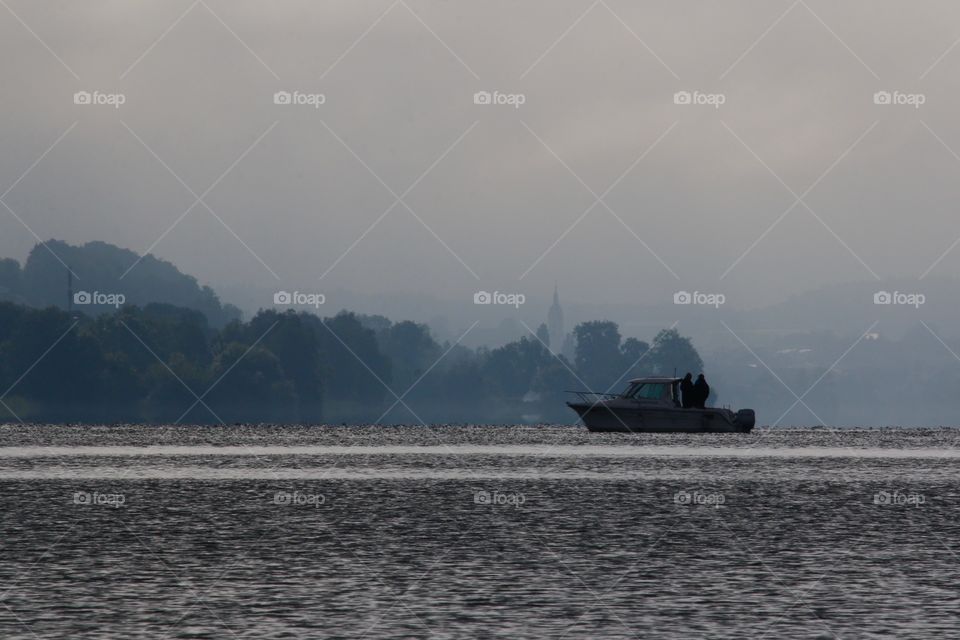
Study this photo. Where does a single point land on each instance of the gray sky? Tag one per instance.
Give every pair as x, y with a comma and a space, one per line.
699, 204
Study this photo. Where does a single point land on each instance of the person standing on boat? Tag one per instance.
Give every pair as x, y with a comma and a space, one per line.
686, 391
701, 391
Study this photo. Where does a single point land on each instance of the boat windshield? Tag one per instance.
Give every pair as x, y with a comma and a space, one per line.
649, 391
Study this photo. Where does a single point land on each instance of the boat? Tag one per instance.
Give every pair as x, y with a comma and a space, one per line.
652, 405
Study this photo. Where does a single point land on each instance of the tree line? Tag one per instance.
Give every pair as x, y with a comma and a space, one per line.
162, 363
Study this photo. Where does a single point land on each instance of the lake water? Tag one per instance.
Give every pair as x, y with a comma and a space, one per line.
474, 532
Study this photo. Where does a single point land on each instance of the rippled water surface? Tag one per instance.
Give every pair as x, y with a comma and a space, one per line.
471, 532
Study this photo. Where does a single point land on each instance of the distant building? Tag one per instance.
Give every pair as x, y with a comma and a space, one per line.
555, 323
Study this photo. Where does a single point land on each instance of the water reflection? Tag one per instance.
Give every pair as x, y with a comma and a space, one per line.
505, 540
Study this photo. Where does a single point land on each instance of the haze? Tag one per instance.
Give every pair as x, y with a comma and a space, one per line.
501, 196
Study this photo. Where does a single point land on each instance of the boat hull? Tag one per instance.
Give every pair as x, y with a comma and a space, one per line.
607, 417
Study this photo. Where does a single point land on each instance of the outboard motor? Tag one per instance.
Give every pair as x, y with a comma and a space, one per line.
745, 419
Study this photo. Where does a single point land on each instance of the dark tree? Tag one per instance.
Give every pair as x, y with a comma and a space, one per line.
510, 369
636, 354
599, 362
672, 352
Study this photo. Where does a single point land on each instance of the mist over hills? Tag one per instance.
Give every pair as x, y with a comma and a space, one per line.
43, 280
842, 308
108, 359
830, 356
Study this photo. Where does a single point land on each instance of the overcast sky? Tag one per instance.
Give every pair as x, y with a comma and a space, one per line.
499, 196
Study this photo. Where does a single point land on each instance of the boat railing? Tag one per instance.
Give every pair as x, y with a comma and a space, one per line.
594, 397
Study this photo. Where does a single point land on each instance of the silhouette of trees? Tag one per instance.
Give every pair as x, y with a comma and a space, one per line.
98, 265
672, 352
509, 370
599, 361
150, 364
410, 349
551, 383
543, 334
250, 385
56, 379
295, 341
353, 366
10, 280
635, 358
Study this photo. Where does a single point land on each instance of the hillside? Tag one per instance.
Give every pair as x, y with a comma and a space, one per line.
102, 267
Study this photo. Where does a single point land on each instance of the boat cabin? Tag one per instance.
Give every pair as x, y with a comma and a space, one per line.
664, 390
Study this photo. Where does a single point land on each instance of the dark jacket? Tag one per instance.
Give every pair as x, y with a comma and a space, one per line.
701, 391
686, 391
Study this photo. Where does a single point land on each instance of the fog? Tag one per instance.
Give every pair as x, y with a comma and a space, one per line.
399, 195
